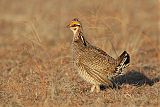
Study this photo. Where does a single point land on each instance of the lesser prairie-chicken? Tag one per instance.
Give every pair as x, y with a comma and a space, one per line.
93, 64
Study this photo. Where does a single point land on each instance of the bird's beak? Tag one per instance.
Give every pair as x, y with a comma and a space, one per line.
68, 26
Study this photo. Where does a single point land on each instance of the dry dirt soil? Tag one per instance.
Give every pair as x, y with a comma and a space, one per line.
36, 68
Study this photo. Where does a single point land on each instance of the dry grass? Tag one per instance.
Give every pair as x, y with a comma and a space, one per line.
35, 58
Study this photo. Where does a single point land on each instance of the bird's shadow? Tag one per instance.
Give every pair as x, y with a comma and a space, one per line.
133, 77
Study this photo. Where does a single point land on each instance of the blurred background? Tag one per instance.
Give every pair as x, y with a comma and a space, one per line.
50, 17
108, 21
35, 46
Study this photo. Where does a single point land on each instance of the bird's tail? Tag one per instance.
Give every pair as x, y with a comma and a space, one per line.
122, 62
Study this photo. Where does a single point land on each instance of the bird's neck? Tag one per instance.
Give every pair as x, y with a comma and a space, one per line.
79, 37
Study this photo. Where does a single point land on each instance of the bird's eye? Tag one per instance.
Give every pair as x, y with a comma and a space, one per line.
74, 25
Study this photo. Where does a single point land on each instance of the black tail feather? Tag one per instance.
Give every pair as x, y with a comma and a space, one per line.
123, 62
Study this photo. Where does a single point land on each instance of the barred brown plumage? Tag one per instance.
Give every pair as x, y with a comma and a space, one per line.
93, 64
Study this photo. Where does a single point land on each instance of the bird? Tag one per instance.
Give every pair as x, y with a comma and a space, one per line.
93, 64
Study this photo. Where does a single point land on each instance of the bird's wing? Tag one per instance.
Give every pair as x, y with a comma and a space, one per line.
98, 60
99, 77
101, 52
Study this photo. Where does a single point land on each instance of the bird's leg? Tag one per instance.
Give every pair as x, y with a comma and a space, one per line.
111, 84
97, 88
92, 88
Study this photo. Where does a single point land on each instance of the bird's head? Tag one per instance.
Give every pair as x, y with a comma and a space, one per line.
75, 25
